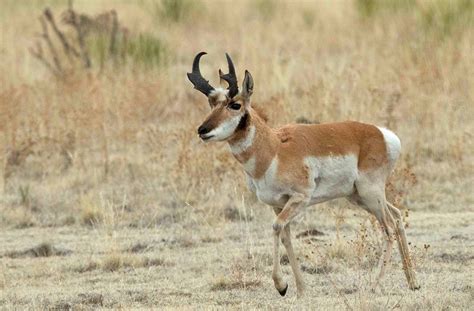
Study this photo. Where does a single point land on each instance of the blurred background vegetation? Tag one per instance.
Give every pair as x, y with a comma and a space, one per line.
117, 111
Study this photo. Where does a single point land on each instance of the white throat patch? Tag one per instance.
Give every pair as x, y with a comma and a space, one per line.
245, 143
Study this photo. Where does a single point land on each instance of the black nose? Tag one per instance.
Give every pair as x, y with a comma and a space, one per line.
203, 130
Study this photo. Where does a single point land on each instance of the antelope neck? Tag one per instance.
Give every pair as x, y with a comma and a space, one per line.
254, 145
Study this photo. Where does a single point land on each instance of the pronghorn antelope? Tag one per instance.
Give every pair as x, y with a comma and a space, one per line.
298, 165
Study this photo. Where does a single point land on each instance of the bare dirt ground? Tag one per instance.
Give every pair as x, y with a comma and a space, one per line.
108, 200
229, 266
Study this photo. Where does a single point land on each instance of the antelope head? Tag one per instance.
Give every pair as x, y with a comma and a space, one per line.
229, 107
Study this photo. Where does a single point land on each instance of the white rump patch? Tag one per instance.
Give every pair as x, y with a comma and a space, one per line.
393, 144
245, 143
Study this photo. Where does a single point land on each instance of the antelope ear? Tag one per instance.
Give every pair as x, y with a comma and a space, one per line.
247, 86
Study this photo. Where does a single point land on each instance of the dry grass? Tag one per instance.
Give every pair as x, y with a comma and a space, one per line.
105, 162
44, 249
116, 261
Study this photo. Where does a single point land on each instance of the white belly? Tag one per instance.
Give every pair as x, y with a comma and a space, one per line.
332, 176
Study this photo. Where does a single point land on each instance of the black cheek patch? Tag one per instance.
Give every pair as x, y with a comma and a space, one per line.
244, 122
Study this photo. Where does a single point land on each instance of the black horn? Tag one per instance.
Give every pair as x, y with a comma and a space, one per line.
196, 78
230, 78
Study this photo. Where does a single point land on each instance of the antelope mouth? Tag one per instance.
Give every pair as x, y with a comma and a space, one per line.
205, 137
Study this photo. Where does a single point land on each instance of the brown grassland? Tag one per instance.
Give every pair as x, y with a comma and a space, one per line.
109, 199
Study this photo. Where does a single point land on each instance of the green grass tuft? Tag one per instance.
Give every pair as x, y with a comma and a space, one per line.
142, 49
444, 17
436, 17
266, 8
176, 10
146, 49
369, 8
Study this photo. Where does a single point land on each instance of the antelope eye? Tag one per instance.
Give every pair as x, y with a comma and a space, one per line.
234, 106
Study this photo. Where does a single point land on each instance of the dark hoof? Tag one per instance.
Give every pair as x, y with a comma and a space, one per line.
283, 292
415, 288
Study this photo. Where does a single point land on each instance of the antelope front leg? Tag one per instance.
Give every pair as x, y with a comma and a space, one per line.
286, 240
280, 284
291, 209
